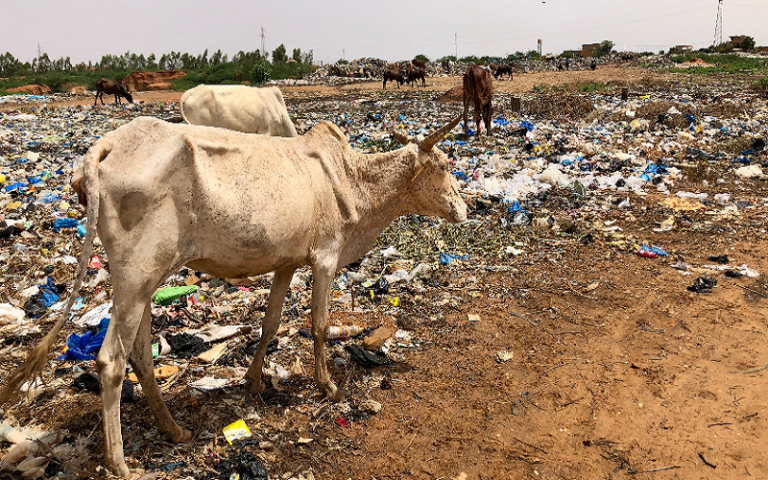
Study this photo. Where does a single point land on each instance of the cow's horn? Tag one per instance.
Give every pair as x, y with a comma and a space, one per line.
431, 140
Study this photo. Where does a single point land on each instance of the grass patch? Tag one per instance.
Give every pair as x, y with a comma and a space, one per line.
590, 87
761, 85
726, 63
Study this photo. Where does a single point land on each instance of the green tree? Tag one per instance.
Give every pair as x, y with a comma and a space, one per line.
309, 58
748, 44
261, 72
605, 48
296, 55
421, 57
279, 55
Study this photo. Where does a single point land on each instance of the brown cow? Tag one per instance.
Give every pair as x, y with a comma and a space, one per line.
111, 87
478, 87
414, 76
501, 70
418, 64
393, 75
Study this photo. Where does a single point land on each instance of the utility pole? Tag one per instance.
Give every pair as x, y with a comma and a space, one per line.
344, 53
456, 46
39, 52
263, 42
719, 25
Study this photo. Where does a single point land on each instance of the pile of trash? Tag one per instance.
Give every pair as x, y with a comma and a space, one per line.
544, 175
374, 68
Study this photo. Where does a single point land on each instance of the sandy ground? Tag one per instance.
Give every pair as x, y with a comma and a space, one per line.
519, 84
617, 370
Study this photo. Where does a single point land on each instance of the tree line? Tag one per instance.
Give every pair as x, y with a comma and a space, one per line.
246, 65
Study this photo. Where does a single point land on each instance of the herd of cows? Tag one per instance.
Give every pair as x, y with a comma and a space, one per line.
234, 193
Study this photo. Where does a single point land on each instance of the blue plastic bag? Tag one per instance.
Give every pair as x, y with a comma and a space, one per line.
15, 186
447, 258
653, 248
87, 345
60, 223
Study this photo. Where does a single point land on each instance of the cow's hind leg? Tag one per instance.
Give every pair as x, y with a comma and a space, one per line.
322, 273
142, 363
280, 283
132, 289
488, 110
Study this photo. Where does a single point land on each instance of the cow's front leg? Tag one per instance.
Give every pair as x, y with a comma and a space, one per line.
280, 283
322, 273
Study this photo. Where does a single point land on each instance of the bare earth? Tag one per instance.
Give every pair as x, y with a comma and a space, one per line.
617, 370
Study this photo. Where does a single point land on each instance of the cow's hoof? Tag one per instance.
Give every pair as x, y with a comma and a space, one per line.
255, 387
182, 437
337, 395
122, 470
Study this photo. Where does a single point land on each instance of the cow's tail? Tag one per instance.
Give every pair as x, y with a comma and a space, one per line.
181, 106
33, 367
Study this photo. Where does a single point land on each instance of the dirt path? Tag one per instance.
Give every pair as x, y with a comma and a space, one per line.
520, 83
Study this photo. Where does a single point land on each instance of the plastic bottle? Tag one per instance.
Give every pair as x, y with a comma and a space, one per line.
344, 331
10, 434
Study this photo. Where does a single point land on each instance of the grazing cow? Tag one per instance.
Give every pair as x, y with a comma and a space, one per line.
231, 204
414, 76
418, 63
238, 107
478, 88
395, 75
111, 87
501, 70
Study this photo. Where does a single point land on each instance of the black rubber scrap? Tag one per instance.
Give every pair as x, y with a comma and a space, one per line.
366, 358
245, 464
721, 259
185, 345
90, 382
703, 285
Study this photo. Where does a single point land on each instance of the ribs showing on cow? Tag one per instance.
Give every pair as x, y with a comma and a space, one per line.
206, 198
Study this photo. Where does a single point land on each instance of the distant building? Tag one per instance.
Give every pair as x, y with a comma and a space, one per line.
762, 49
574, 53
588, 49
683, 48
737, 40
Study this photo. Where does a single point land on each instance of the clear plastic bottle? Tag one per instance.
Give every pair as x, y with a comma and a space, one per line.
10, 434
344, 331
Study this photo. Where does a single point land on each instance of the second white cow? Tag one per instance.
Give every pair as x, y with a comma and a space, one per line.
239, 108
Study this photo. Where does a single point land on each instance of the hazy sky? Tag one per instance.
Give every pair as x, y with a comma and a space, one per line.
393, 30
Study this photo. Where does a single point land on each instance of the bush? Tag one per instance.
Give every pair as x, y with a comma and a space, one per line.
605, 48
748, 44
261, 73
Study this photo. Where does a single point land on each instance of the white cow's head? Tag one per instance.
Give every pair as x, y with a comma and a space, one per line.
433, 190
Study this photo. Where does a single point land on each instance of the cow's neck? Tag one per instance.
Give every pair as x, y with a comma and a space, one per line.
380, 185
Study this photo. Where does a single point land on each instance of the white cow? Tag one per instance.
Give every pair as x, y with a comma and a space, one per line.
230, 204
239, 108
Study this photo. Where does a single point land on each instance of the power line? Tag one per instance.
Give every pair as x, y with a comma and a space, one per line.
551, 33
